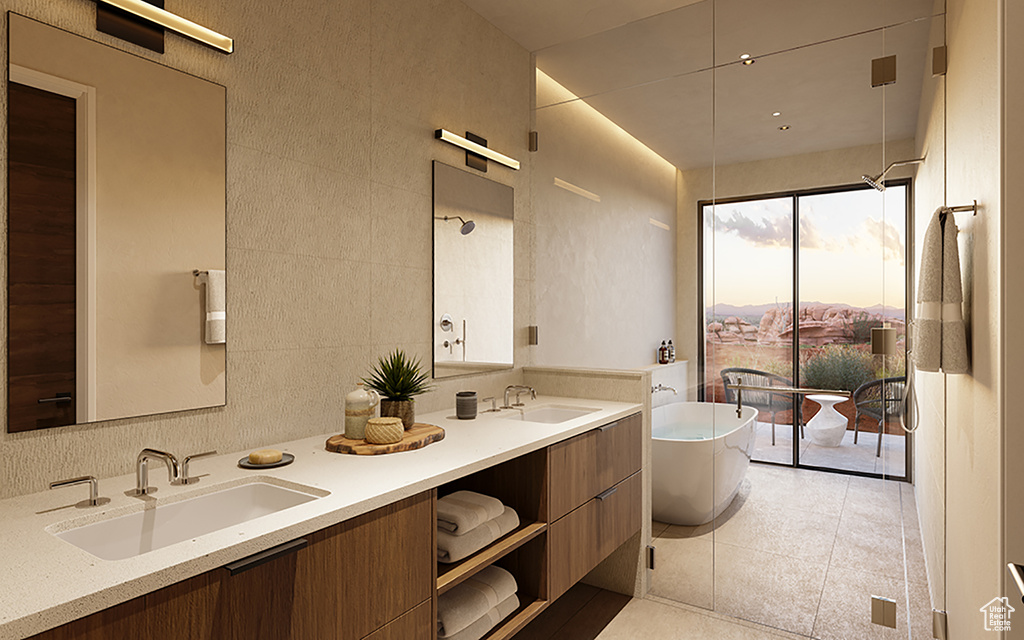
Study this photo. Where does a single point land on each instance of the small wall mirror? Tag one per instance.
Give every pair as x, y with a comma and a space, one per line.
472, 273
116, 195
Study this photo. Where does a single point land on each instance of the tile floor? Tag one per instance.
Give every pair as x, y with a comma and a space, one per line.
798, 552
847, 456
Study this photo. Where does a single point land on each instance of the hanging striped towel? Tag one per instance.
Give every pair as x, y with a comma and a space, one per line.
216, 317
941, 338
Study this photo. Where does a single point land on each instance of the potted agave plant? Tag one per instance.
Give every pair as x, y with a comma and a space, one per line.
398, 378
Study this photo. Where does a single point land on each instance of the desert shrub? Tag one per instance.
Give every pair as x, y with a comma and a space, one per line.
837, 367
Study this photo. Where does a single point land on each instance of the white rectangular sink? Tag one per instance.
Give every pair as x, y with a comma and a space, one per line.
553, 414
137, 533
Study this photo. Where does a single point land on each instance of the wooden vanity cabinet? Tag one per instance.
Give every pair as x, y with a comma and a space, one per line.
351, 580
592, 462
596, 498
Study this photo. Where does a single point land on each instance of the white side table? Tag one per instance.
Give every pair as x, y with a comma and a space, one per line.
828, 426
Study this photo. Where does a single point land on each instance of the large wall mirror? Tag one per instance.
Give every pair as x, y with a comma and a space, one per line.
115, 235
472, 273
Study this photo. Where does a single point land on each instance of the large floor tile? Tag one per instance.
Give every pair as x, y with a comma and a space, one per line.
652, 620
805, 535
864, 546
684, 570
845, 610
798, 489
768, 589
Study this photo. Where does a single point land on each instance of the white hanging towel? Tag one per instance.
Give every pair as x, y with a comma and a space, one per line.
216, 314
940, 343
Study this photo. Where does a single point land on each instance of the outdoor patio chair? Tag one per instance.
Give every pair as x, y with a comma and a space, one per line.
868, 399
763, 400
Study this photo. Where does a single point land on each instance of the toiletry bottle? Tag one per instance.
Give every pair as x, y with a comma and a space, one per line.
671, 352
663, 353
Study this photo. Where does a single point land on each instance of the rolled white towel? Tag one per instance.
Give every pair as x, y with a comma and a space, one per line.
452, 548
463, 511
471, 600
216, 306
488, 621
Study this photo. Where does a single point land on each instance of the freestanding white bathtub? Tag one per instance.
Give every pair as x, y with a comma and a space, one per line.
700, 454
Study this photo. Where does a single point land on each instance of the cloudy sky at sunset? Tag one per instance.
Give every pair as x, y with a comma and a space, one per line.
851, 250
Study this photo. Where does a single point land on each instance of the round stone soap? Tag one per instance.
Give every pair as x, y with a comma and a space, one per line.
265, 456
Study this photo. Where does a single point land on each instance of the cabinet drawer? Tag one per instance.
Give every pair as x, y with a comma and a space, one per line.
591, 462
588, 535
415, 625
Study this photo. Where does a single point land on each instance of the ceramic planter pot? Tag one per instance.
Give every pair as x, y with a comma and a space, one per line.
404, 409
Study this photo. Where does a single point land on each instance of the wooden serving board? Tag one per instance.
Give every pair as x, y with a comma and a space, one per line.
420, 435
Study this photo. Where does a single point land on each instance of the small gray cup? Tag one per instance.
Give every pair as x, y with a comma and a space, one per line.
465, 405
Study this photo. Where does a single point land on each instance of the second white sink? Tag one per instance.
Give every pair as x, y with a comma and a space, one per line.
553, 414
137, 533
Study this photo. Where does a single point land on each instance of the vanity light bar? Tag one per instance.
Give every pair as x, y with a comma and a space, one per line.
174, 22
478, 149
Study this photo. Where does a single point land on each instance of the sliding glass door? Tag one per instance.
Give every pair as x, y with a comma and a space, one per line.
799, 281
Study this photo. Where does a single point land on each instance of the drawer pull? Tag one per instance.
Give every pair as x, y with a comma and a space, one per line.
607, 426
61, 397
605, 494
263, 557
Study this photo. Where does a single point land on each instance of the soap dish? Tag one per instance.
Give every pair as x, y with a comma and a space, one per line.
286, 459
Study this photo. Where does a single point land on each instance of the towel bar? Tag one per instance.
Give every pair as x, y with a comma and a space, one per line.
973, 208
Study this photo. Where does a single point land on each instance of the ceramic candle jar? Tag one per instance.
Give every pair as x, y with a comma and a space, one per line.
360, 405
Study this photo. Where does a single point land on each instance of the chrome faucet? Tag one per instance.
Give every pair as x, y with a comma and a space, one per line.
184, 477
94, 497
142, 469
662, 387
519, 389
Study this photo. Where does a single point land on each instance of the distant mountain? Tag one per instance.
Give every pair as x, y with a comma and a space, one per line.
757, 310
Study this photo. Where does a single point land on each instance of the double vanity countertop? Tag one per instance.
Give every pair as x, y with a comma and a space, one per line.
46, 581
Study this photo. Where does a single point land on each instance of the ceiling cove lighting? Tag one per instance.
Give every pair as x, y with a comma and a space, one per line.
478, 149
176, 23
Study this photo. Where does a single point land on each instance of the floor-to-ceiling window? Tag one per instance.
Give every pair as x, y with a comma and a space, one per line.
800, 279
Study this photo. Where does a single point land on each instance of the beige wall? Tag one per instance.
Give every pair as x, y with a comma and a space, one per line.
974, 418
159, 215
929, 471
1013, 292
330, 113
605, 275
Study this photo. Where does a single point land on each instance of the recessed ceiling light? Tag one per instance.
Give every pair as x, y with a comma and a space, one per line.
744, 56
776, 114
784, 127
749, 61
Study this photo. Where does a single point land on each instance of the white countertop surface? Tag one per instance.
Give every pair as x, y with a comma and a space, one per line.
46, 582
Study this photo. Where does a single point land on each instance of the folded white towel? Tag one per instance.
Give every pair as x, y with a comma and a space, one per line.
471, 600
940, 340
488, 621
451, 548
463, 511
216, 306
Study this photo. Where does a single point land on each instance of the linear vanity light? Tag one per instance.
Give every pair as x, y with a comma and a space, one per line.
174, 22
479, 149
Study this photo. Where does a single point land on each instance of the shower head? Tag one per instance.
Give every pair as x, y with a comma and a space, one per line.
873, 182
878, 181
467, 225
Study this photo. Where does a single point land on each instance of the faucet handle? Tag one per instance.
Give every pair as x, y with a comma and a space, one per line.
185, 478
94, 498
494, 404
